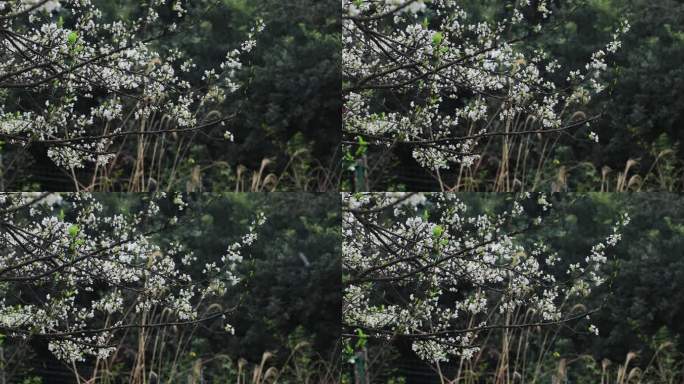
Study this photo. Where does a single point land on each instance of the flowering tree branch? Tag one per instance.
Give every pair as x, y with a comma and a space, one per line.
76, 83
424, 268
76, 275
430, 75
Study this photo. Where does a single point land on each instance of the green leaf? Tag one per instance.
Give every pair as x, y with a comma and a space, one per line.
437, 38
362, 339
362, 148
72, 37
74, 230
437, 231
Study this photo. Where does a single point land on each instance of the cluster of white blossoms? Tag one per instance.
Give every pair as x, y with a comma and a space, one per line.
102, 79
430, 74
76, 273
422, 267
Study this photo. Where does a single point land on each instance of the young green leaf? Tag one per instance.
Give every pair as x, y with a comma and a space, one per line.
72, 37
74, 230
437, 38
437, 231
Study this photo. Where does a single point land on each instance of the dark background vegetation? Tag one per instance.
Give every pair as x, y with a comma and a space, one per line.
292, 276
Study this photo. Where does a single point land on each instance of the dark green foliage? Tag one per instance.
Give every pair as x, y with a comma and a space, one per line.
646, 296
647, 97
293, 77
643, 296
280, 295
644, 98
295, 276
296, 83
